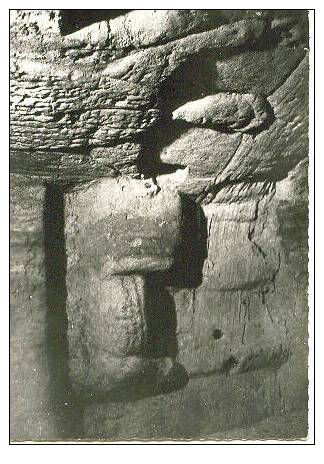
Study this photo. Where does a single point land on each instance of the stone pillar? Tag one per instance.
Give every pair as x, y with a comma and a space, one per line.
117, 233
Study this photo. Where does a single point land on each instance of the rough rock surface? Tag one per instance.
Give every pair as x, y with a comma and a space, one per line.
232, 112
42, 402
71, 103
210, 283
117, 231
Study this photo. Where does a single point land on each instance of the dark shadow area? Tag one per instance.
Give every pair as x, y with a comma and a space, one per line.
192, 250
192, 80
145, 387
161, 318
73, 20
217, 334
149, 163
290, 27
66, 411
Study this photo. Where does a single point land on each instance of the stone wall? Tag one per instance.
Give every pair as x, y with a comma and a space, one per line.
159, 224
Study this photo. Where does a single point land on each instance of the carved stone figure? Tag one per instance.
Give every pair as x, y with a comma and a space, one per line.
134, 234
159, 224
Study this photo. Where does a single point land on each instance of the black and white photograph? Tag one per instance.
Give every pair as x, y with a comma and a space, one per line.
160, 234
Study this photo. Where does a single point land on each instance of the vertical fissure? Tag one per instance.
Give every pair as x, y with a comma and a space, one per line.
67, 411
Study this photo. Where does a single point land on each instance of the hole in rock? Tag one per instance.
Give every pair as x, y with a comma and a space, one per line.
217, 334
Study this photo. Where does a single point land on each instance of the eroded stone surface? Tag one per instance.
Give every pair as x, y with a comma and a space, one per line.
233, 112
142, 28
226, 324
42, 405
116, 232
64, 105
266, 156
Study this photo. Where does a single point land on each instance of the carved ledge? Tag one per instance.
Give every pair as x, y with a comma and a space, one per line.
229, 111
